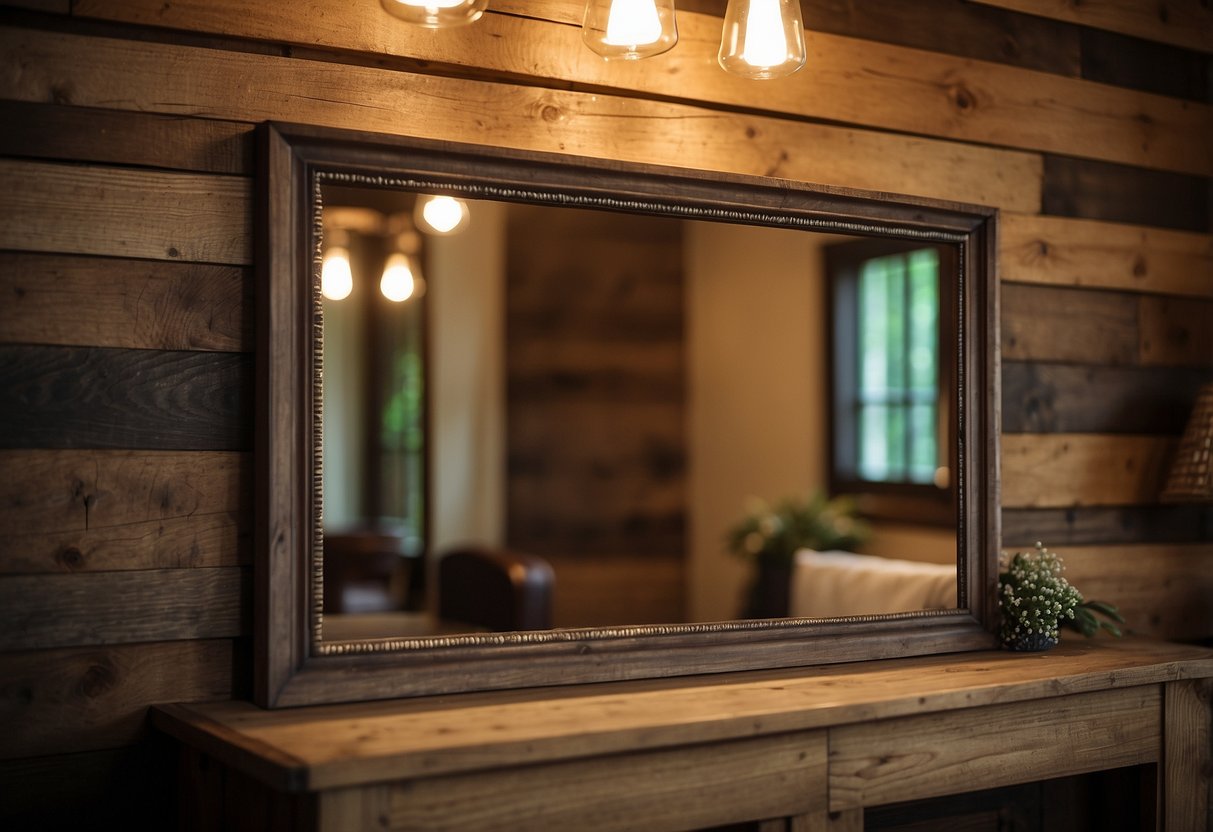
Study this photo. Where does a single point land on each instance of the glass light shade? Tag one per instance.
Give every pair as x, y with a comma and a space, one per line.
762, 38
436, 14
629, 29
441, 214
336, 278
399, 281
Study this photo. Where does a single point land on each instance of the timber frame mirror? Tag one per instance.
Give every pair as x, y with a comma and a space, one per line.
299, 663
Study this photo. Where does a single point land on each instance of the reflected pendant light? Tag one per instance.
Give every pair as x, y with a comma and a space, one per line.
441, 214
400, 280
436, 14
336, 277
762, 38
629, 29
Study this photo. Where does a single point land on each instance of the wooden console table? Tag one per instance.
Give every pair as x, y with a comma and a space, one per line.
803, 749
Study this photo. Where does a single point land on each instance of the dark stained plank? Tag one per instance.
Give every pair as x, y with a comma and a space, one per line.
85, 699
44, 611
955, 27
1176, 332
121, 788
84, 134
1118, 524
1120, 193
1145, 65
116, 302
1066, 398
1044, 323
69, 397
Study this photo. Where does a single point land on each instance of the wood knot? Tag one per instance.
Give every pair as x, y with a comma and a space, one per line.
1164, 14
96, 680
751, 133
71, 557
962, 97
550, 113
173, 252
1139, 266
61, 94
19, 292
1042, 246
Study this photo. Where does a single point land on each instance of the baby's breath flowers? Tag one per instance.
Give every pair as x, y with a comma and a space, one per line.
1035, 599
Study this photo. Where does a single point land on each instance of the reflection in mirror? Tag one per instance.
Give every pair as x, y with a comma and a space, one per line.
548, 417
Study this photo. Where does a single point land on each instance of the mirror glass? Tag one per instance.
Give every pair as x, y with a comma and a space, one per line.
542, 417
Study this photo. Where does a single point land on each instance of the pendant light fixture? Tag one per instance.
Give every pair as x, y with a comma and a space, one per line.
441, 214
762, 38
629, 29
436, 14
336, 277
400, 279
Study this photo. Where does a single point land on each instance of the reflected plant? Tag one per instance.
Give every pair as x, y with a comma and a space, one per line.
771, 535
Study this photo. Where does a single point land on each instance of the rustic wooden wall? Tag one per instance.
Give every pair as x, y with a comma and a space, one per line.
596, 406
125, 251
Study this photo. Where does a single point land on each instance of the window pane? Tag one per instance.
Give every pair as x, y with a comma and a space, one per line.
924, 451
873, 443
873, 330
895, 326
924, 322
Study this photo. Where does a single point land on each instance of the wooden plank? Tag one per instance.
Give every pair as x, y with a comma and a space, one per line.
608, 591
1155, 524
1075, 252
888, 761
129, 76
1074, 325
85, 699
42, 611
55, 6
81, 134
125, 213
780, 775
1163, 590
906, 90
124, 788
1176, 333
1074, 469
1186, 23
114, 302
335, 746
1066, 398
1123, 61
80, 397
1187, 777
52, 493
1118, 193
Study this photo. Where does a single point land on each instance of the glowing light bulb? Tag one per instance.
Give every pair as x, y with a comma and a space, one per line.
629, 29
436, 14
762, 38
398, 282
336, 278
442, 214
632, 23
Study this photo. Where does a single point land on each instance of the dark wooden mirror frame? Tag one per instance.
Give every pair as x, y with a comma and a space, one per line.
294, 666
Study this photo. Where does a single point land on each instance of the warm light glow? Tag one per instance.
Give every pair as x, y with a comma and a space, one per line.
336, 279
436, 14
629, 29
442, 214
398, 282
632, 23
762, 38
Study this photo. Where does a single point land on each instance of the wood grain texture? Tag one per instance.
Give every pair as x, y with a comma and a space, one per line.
1176, 333
127, 76
1163, 590
81, 134
76, 397
1074, 469
781, 775
1072, 325
115, 302
1187, 776
1097, 190
886, 762
1186, 23
1159, 524
52, 493
44, 611
85, 699
343, 745
1038, 397
125, 213
1105, 255
906, 90
1125, 61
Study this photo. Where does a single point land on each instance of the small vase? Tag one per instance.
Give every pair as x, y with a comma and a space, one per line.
1031, 643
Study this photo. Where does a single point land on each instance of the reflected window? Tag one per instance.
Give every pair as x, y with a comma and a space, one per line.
889, 377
